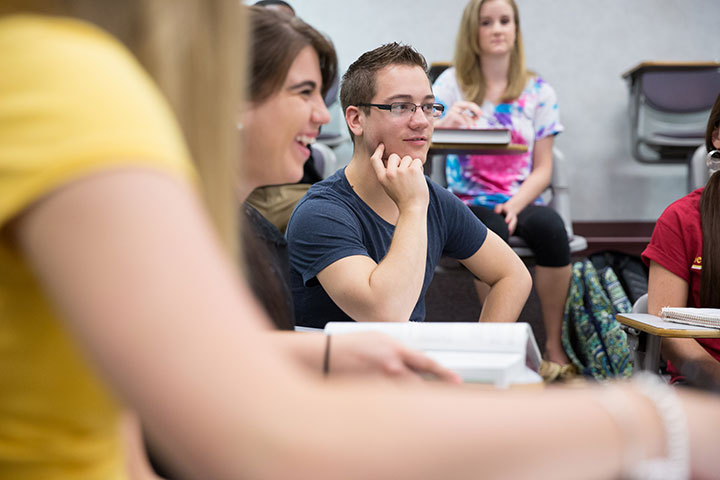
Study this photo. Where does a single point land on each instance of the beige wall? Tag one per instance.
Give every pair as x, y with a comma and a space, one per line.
581, 47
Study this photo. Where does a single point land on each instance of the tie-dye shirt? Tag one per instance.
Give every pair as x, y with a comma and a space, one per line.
492, 179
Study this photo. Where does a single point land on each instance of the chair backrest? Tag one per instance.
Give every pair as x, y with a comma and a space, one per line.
641, 305
698, 173
436, 68
681, 91
559, 200
560, 190
324, 158
669, 107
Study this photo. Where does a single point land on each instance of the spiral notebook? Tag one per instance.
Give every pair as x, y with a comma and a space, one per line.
703, 317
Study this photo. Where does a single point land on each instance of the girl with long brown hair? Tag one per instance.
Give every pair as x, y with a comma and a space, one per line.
684, 260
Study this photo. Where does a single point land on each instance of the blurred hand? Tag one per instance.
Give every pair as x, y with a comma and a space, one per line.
703, 414
462, 114
510, 213
374, 353
403, 179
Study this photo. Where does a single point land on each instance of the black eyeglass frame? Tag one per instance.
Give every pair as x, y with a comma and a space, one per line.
437, 108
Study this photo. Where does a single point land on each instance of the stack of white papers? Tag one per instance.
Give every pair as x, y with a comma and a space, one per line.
502, 354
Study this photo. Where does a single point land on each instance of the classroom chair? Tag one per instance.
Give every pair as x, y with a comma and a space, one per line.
557, 196
668, 108
637, 340
559, 199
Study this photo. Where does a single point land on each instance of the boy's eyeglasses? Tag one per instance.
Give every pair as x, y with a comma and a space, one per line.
402, 109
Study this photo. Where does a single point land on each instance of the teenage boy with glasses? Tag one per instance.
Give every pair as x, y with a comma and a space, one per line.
364, 243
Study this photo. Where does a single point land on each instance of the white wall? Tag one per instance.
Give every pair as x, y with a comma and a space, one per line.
581, 47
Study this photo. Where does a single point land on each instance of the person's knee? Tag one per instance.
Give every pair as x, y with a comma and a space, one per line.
545, 223
544, 231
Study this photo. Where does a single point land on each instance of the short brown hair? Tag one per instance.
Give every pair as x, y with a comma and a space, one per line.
276, 40
358, 84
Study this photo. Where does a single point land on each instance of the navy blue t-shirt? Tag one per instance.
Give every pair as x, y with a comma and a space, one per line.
331, 222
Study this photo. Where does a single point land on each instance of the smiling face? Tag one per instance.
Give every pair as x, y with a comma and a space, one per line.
497, 28
403, 135
278, 131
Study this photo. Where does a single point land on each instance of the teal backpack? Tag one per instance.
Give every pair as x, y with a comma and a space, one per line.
591, 336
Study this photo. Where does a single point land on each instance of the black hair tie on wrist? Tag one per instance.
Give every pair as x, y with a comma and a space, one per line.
326, 360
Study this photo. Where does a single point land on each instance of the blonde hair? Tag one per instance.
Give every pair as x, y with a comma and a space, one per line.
468, 57
194, 51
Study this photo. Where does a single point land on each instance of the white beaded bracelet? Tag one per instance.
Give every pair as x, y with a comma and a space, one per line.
676, 464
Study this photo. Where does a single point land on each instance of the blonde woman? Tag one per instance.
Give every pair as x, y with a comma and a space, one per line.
489, 87
116, 290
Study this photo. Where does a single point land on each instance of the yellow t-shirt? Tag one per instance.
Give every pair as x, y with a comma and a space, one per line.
72, 101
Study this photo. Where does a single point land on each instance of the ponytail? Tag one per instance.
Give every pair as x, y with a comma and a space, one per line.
710, 223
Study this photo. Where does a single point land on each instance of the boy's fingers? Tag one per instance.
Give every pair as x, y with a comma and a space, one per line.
376, 161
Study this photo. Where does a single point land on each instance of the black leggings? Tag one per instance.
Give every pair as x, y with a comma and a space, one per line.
541, 227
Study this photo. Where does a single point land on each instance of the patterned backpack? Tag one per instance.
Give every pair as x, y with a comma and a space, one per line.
591, 336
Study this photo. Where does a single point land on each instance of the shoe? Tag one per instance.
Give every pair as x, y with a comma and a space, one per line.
554, 372
549, 371
568, 372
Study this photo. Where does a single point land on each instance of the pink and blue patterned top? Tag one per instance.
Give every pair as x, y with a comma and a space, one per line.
489, 180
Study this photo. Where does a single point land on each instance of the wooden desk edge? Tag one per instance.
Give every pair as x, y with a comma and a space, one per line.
665, 332
659, 65
539, 385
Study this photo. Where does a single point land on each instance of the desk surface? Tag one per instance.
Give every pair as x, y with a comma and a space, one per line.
660, 65
662, 328
475, 149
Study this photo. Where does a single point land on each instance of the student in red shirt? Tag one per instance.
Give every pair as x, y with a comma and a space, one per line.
685, 265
